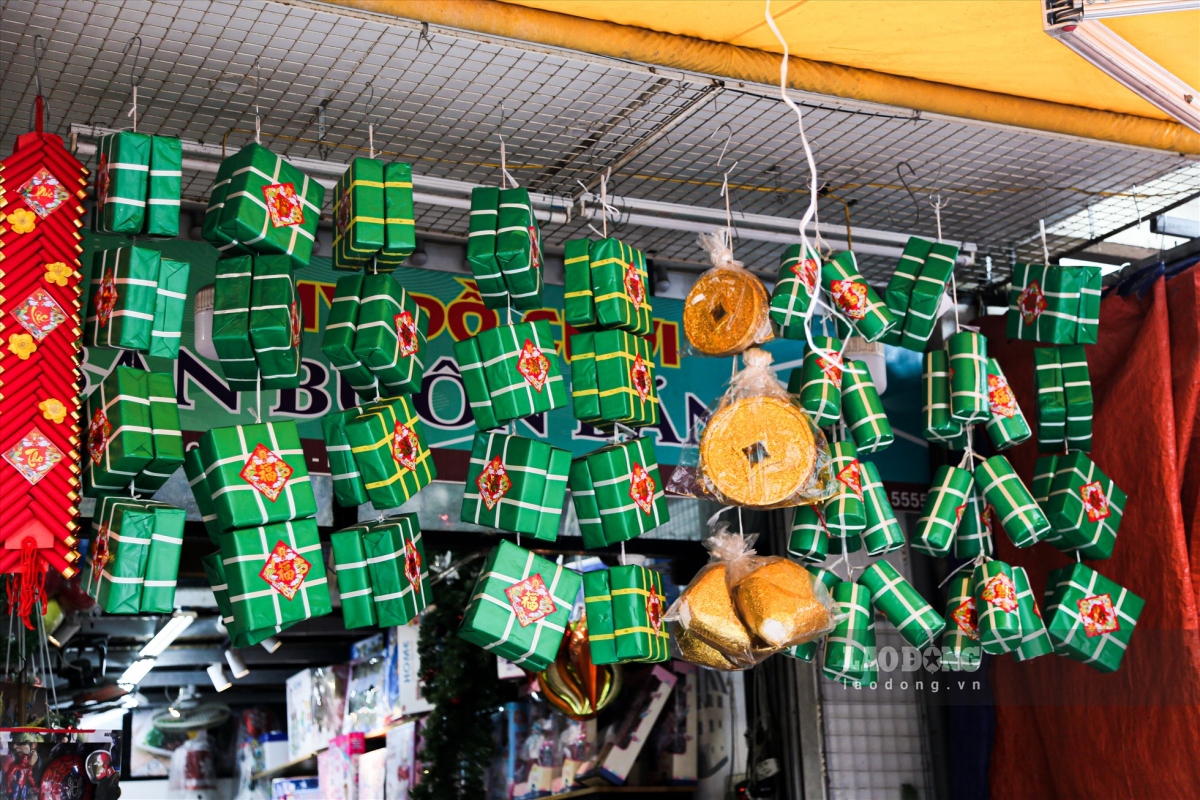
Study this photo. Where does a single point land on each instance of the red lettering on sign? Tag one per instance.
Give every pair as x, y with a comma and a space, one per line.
467, 315
311, 294
435, 312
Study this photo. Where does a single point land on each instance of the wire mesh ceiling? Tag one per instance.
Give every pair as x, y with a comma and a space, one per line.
440, 99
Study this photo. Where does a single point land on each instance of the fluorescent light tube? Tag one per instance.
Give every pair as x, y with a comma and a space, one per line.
1124, 63
133, 675
177, 624
1103, 9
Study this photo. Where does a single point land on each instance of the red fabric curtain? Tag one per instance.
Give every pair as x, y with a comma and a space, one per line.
1064, 730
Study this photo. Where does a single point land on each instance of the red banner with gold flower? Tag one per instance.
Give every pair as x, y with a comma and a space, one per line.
41, 189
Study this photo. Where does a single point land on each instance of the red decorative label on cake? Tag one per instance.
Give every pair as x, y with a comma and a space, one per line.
635, 287
654, 610
535, 249
641, 488
1000, 591
958, 513
106, 297
987, 519
851, 297
530, 600
1031, 302
297, 326
283, 205
809, 273
267, 472
832, 367
103, 182
412, 565
1095, 501
33, 456
851, 477
493, 482
533, 365
1001, 397
639, 376
406, 447
285, 570
101, 557
98, 432
966, 618
1098, 615
406, 333
343, 216
44, 193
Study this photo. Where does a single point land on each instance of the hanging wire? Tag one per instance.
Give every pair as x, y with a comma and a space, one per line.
1045, 247
134, 82
370, 124
811, 210
504, 173
39, 50
904, 183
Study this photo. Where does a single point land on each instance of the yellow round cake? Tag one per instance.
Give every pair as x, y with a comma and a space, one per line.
725, 311
758, 451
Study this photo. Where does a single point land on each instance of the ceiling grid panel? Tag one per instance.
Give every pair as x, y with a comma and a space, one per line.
442, 100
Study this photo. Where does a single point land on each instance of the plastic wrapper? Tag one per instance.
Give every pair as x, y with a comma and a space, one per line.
746, 607
728, 308
758, 449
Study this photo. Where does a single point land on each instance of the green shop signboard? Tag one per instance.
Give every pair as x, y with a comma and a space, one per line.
687, 384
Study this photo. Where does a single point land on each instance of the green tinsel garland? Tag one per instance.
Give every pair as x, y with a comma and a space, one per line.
461, 682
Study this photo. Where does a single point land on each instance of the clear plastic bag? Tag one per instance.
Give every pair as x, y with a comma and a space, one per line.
728, 308
705, 627
758, 448
741, 608
776, 598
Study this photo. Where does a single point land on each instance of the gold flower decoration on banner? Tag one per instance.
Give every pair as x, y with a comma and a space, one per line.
21, 345
22, 220
57, 273
53, 409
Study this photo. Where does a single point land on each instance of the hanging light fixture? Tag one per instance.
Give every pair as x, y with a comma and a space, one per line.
1076, 23
216, 674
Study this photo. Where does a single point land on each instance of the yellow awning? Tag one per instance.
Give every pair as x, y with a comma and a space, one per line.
993, 45
986, 60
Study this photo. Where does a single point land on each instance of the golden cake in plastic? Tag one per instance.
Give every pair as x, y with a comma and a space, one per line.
726, 312
758, 451
777, 603
706, 610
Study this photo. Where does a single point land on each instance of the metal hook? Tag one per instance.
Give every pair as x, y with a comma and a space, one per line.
424, 39
908, 189
39, 50
728, 139
370, 111
134, 82
937, 203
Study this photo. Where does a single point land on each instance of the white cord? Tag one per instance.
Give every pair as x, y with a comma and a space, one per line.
1045, 249
812, 171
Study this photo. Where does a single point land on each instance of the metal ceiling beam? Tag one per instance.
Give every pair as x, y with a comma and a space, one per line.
443, 192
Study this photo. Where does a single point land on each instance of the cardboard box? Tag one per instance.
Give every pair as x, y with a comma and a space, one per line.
316, 701
296, 789
337, 767
618, 755
371, 769
401, 763
675, 737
